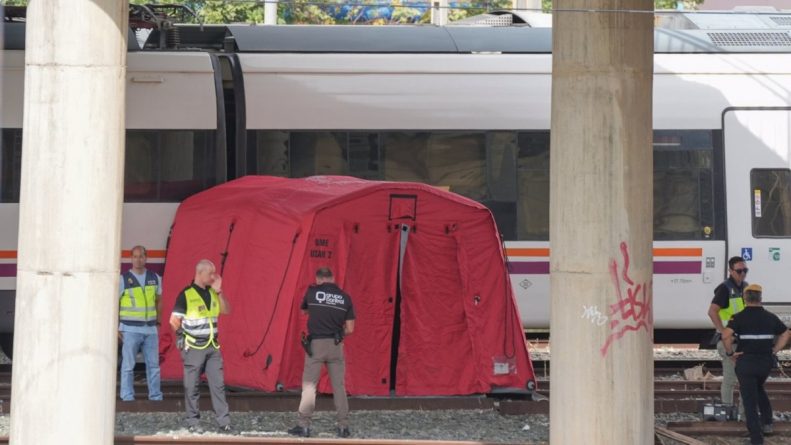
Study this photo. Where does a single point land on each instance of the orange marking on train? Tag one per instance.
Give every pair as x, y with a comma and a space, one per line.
679, 251
540, 251
8, 254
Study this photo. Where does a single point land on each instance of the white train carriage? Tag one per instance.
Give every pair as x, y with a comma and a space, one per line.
477, 122
175, 146
466, 108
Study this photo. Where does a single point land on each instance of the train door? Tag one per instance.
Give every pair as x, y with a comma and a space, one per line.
758, 193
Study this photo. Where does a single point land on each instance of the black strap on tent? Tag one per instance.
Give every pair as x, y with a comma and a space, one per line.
248, 352
224, 255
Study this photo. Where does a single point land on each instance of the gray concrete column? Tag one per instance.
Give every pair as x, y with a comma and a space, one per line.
69, 232
601, 223
439, 12
531, 5
270, 12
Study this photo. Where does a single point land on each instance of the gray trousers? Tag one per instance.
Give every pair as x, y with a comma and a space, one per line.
325, 351
207, 360
729, 379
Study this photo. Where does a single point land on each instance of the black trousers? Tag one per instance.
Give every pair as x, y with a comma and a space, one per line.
752, 371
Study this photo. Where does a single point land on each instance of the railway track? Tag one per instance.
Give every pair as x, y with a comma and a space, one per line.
194, 440
682, 396
669, 397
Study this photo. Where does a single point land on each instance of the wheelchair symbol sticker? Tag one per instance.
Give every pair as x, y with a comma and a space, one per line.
747, 253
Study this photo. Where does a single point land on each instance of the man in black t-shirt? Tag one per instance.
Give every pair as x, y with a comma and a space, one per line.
756, 329
330, 318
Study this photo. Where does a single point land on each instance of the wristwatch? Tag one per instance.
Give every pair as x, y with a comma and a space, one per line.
729, 354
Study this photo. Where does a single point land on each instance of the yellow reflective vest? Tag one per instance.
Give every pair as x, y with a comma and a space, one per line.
138, 305
199, 322
735, 302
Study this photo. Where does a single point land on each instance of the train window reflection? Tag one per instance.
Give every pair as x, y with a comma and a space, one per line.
683, 184
533, 204
317, 153
168, 165
10, 164
455, 161
508, 171
300, 154
771, 200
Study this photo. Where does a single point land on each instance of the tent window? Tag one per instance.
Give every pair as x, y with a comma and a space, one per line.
168, 165
10, 164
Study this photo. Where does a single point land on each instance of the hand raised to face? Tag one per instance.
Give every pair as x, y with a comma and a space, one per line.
217, 283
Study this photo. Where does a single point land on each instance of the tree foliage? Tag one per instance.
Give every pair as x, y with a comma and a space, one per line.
329, 12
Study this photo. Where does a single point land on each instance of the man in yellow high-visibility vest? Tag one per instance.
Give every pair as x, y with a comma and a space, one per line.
194, 319
138, 320
727, 302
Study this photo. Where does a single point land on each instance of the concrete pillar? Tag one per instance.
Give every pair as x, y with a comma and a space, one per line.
270, 12
439, 12
69, 232
601, 223
527, 5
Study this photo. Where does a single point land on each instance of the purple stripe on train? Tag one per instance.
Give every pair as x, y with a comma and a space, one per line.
9, 270
153, 267
528, 267
660, 267
514, 267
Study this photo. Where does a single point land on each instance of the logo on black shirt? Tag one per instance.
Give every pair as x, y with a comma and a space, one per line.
328, 298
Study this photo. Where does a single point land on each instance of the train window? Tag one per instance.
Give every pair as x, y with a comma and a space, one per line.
168, 165
501, 150
317, 153
683, 184
452, 160
771, 202
364, 155
10, 164
271, 149
301, 154
533, 189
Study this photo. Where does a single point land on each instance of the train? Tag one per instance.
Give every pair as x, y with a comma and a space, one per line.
465, 107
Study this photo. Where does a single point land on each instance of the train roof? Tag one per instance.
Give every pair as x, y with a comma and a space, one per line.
509, 32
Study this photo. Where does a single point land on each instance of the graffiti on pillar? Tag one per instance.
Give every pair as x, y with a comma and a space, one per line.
592, 314
631, 312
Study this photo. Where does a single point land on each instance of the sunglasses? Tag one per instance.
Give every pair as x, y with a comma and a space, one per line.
745, 270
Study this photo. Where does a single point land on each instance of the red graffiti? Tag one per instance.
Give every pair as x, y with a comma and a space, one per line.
633, 312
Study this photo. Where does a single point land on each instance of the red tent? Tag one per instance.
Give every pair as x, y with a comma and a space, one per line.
425, 270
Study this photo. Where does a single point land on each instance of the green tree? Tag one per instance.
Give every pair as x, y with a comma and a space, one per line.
658, 4
305, 12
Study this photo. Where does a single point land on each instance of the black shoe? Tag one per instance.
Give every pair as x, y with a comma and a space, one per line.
344, 431
299, 431
225, 429
768, 429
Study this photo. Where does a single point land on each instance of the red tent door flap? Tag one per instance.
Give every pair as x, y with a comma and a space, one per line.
435, 354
